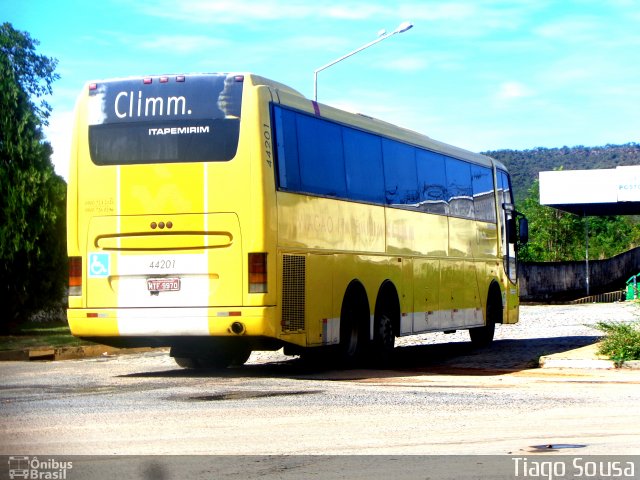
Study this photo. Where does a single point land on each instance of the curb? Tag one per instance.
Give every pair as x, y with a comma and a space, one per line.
586, 358
68, 353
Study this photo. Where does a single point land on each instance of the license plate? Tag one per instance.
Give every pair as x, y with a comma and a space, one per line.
163, 284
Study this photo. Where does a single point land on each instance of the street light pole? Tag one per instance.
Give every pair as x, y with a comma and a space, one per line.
403, 27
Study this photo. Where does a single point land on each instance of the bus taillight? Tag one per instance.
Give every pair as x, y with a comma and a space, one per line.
75, 276
257, 273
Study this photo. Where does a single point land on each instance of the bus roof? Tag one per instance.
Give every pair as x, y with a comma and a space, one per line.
388, 129
352, 118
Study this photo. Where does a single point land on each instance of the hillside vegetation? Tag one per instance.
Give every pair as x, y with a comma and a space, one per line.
524, 165
559, 236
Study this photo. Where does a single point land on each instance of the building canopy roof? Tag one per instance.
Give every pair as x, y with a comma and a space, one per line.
614, 191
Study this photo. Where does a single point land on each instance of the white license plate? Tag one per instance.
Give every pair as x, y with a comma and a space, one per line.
163, 284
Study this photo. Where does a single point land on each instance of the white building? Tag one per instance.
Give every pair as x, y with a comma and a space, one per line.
614, 191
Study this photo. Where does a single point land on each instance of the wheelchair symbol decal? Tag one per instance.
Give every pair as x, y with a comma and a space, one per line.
98, 265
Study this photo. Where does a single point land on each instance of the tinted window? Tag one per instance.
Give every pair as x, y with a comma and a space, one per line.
483, 195
459, 190
318, 156
400, 177
321, 157
503, 186
287, 146
363, 164
507, 217
432, 181
196, 120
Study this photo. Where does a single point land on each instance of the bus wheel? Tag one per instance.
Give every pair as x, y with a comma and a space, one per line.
186, 362
224, 359
381, 348
351, 332
349, 340
240, 357
483, 336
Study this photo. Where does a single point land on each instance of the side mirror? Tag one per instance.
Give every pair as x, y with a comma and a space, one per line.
512, 232
523, 228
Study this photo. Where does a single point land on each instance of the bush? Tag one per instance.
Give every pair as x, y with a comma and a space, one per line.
622, 341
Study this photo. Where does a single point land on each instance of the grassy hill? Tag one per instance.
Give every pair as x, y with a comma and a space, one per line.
524, 165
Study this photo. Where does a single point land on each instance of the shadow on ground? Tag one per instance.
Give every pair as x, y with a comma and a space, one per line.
460, 358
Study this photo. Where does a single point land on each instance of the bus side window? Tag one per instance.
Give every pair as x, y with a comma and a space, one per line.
363, 166
483, 197
508, 222
400, 173
287, 148
321, 157
432, 182
459, 190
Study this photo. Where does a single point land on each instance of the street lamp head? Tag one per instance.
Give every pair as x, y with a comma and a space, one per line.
382, 34
403, 27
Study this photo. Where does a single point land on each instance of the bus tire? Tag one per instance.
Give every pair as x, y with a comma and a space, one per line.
218, 360
353, 316
483, 336
381, 348
186, 362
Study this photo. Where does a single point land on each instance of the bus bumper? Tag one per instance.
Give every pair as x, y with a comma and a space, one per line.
173, 322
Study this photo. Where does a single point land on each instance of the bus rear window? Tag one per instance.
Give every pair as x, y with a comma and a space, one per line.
165, 119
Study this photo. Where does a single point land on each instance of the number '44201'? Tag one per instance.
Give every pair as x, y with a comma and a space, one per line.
162, 264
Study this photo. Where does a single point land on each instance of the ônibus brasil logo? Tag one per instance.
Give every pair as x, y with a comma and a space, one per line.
34, 468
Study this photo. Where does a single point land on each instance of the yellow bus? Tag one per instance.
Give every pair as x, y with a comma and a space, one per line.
218, 214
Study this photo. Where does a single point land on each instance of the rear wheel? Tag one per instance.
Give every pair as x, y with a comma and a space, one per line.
353, 318
221, 359
186, 362
383, 341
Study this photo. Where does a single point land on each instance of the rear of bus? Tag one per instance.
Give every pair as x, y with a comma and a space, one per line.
169, 240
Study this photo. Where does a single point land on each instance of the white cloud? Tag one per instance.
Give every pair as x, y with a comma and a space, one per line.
311, 42
171, 44
446, 11
243, 11
578, 30
405, 64
352, 11
466, 19
232, 11
181, 44
58, 133
511, 90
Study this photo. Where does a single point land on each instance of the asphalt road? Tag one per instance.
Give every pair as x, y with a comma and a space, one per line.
438, 398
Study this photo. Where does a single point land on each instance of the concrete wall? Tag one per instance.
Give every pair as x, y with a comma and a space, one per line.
562, 281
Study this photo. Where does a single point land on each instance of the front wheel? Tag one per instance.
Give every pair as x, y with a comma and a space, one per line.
483, 336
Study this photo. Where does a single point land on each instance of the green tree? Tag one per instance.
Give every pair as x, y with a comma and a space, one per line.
525, 165
560, 236
32, 242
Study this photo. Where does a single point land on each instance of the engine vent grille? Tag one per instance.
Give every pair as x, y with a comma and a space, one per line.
293, 286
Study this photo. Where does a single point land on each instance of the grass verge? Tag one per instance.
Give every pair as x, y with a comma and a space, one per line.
622, 341
38, 334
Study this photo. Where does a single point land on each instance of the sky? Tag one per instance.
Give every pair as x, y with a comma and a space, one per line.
478, 74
